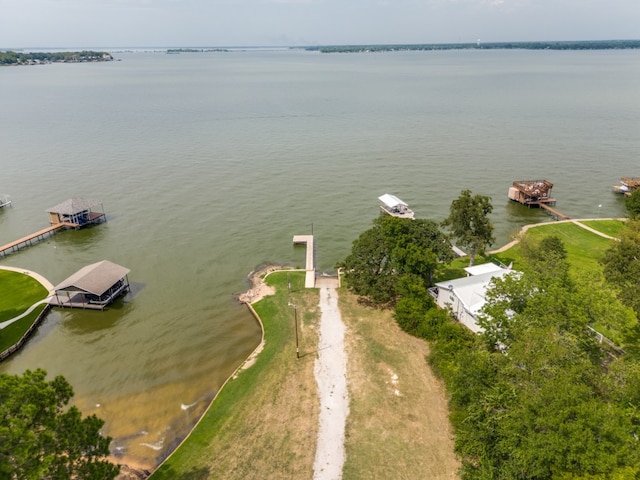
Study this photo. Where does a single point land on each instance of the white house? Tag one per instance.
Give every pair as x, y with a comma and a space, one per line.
466, 296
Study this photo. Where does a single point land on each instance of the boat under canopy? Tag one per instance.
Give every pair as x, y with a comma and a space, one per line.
395, 207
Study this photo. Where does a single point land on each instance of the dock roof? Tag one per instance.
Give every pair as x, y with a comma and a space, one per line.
96, 278
74, 205
391, 200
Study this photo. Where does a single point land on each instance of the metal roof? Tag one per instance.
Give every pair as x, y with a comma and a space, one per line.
74, 205
483, 268
96, 278
471, 290
391, 200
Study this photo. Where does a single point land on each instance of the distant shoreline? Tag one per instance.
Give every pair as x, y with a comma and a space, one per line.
11, 58
560, 45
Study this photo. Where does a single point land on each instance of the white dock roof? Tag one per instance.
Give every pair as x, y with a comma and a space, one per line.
391, 200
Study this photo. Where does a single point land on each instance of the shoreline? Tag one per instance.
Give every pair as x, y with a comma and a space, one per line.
256, 292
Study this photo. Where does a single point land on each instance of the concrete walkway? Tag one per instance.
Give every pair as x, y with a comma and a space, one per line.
331, 376
45, 283
6, 323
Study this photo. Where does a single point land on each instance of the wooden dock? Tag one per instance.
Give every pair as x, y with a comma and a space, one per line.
33, 238
555, 213
310, 278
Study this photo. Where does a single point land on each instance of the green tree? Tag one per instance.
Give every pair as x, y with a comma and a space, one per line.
469, 222
41, 438
632, 202
622, 265
392, 249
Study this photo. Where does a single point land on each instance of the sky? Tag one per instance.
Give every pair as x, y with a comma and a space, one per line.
220, 23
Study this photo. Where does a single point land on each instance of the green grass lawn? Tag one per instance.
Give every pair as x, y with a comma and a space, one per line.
19, 292
11, 334
584, 248
242, 434
608, 227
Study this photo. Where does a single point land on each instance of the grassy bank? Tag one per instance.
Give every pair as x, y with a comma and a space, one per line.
19, 292
584, 248
264, 423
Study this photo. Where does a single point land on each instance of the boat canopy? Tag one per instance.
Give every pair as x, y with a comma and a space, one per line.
95, 279
391, 200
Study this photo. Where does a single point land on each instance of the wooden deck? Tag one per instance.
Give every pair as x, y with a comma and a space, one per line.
33, 238
554, 212
310, 278
77, 301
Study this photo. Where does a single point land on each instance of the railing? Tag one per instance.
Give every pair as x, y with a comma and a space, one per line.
11, 350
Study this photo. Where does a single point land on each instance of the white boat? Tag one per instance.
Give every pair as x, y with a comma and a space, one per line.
4, 201
395, 207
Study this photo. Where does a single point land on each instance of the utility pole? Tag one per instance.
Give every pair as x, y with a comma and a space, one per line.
295, 321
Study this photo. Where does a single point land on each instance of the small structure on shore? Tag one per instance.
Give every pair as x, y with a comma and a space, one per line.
464, 297
94, 286
532, 192
627, 185
76, 211
395, 207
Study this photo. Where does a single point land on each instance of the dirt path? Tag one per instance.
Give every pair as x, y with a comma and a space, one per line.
330, 372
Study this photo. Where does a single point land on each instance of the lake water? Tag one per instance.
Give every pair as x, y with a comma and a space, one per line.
207, 165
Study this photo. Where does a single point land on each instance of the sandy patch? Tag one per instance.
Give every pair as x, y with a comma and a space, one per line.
251, 360
259, 289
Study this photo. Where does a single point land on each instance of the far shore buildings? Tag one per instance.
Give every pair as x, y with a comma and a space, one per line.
465, 296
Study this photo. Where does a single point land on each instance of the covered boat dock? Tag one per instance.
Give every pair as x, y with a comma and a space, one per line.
94, 286
77, 211
532, 193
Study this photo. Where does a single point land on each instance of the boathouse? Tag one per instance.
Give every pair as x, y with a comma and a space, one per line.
94, 286
532, 192
627, 185
77, 211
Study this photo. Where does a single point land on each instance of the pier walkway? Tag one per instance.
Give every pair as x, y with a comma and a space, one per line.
310, 278
33, 238
555, 213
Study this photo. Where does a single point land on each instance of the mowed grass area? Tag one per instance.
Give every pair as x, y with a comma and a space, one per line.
608, 227
264, 423
19, 292
584, 248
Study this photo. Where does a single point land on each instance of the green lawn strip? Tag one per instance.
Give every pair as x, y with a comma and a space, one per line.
456, 268
584, 248
19, 292
608, 227
11, 334
584, 251
217, 447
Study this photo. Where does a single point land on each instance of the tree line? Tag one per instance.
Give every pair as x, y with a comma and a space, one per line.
564, 45
536, 395
22, 58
